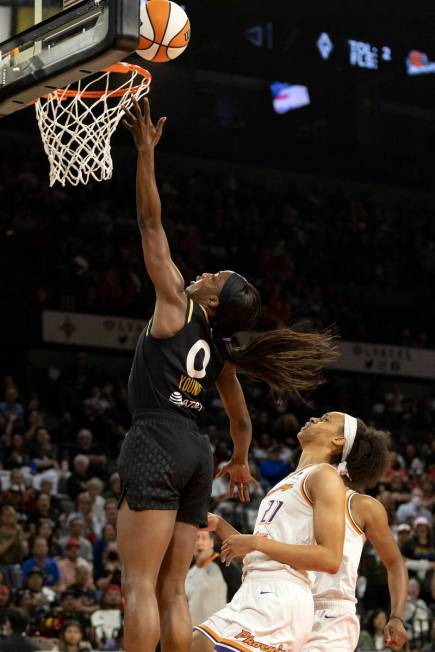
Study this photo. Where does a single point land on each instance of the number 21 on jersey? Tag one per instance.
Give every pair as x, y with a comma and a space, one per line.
271, 511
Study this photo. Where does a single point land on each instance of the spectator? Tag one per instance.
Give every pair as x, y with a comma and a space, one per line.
411, 510
108, 535
87, 447
85, 587
16, 453
44, 511
11, 537
419, 552
68, 566
17, 641
417, 615
107, 621
272, 468
83, 508
43, 453
76, 524
404, 534
41, 595
111, 511
71, 638
114, 489
77, 481
47, 532
11, 407
94, 489
206, 588
40, 559
109, 572
372, 636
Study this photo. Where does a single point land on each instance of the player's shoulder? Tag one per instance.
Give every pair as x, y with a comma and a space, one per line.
366, 501
324, 470
367, 509
324, 476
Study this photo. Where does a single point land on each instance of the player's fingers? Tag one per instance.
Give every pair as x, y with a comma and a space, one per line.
220, 473
254, 482
136, 108
160, 126
224, 553
127, 125
129, 114
146, 110
231, 491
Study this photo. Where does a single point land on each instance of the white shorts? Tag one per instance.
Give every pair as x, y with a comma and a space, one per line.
265, 614
336, 627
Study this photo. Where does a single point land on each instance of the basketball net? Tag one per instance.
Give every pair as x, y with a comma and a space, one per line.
76, 125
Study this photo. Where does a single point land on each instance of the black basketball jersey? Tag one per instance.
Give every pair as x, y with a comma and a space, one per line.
172, 373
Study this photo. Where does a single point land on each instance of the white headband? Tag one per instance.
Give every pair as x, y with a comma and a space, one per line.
350, 429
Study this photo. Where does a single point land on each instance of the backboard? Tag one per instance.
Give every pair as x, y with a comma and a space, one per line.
47, 44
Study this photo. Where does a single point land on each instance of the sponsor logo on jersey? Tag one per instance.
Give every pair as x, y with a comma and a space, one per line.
177, 399
283, 487
248, 639
189, 385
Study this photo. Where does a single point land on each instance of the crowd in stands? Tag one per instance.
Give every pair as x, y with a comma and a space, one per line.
316, 253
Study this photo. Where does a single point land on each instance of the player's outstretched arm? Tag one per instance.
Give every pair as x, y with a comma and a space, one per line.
235, 406
327, 492
380, 536
167, 279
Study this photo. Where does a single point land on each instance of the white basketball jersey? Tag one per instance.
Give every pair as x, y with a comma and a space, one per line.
286, 515
342, 585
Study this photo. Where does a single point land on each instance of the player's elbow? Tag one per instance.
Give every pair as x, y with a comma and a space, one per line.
331, 568
331, 563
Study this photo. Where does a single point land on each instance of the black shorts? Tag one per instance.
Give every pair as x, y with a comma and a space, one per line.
165, 463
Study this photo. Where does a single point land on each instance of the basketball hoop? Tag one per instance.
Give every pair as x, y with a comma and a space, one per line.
76, 124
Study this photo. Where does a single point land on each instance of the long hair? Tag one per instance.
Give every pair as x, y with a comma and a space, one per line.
285, 359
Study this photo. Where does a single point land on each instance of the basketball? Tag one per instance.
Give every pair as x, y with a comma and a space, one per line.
164, 31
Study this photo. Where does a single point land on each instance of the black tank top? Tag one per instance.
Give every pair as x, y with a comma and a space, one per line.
171, 373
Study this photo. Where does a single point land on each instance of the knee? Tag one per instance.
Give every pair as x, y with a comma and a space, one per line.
135, 586
169, 591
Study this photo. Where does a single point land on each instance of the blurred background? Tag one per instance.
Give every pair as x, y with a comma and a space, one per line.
299, 151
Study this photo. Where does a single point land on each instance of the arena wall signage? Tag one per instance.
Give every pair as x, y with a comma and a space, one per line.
387, 360
91, 330
120, 333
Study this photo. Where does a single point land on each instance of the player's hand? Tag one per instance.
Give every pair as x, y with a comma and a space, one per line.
213, 522
240, 476
146, 135
238, 545
395, 635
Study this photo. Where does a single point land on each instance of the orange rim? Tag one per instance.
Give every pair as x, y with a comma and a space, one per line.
120, 68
